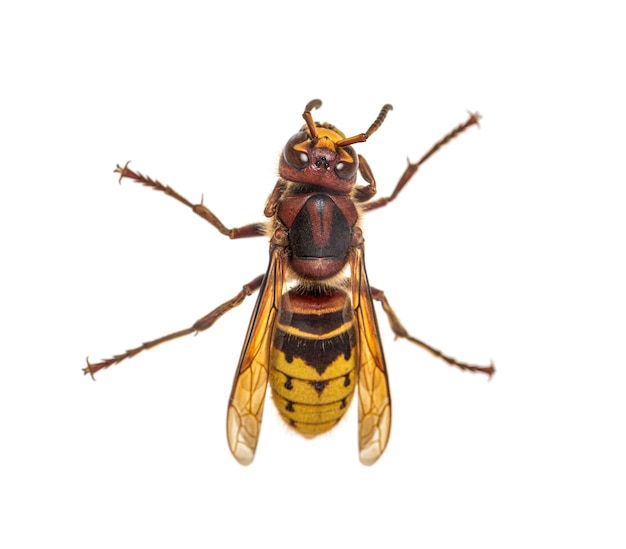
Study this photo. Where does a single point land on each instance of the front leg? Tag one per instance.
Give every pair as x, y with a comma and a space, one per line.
254, 229
365, 192
412, 168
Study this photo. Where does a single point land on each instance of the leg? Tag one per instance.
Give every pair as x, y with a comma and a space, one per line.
412, 168
400, 331
200, 325
254, 229
365, 192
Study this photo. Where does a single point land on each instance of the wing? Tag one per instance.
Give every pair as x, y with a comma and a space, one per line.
245, 407
373, 386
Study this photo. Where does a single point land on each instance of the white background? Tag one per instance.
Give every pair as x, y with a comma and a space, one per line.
508, 245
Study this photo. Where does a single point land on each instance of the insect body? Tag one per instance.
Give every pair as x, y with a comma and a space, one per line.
313, 335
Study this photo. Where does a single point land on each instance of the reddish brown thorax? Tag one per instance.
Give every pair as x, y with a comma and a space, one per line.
320, 228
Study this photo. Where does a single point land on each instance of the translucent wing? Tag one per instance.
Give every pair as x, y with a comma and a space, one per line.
373, 386
245, 407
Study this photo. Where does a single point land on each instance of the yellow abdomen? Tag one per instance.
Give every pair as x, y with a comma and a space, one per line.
313, 359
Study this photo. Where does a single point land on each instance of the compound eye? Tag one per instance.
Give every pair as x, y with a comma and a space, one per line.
295, 158
345, 169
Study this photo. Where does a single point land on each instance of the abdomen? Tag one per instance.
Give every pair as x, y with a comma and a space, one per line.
313, 359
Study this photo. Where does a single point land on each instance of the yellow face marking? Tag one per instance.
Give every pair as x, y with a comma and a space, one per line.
326, 140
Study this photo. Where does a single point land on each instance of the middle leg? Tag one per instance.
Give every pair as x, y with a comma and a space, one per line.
400, 331
200, 325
